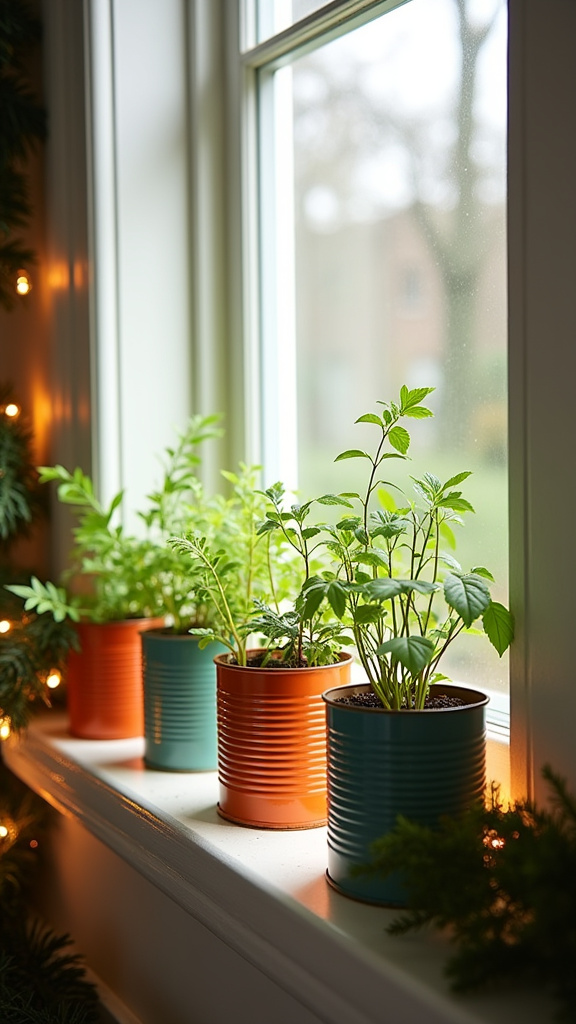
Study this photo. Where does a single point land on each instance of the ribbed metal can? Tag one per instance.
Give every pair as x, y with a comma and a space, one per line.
272, 743
381, 764
104, 680
179, 702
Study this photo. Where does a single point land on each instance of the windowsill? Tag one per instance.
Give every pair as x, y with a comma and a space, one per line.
264, 893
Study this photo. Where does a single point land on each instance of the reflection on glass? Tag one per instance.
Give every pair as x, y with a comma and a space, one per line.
275, 15
399, 206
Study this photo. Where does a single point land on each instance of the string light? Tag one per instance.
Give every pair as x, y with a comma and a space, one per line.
4, 728
8, 831
5, 626
493, 841
23, 282
54, 679
11, 410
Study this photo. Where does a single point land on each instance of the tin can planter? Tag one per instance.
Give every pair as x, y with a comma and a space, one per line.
105, 680
420, 764
272, 743
179, 702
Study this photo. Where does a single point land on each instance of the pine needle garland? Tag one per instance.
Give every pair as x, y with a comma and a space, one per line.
503, 881
22, 123
35, 646
23, 821
40, 982
19, 501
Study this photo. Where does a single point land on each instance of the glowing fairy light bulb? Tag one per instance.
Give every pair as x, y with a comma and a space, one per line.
4, 728
3, 831
23, 282
5, 626
54, 679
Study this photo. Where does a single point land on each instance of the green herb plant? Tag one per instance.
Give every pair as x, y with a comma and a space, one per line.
220, 557
113, 563
261, 584
182, 503
123, 575
405, 594
304, 634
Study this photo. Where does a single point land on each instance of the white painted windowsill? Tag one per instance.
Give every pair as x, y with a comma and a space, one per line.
264, 893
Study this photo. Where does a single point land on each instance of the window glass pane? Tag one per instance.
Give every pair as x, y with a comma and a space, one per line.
273, 16
395, 214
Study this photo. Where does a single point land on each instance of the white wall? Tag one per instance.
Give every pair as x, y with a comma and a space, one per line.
151, 137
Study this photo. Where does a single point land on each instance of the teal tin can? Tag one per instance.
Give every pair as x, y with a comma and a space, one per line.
179, 680
381, 764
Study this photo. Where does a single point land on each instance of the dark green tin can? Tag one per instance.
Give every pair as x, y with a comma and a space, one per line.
420, 764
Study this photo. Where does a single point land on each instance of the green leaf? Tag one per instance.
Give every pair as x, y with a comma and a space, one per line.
454, 480
352, 453
370, 558
18, 589
383, 589
448, 535
349, 524
335, 499
452, 563
388, 525
418, 412
498, 625
386, 499
413, 652
399, 439
267, 527
413, 397
456, 503
369, 417
479, 570
365, 614
421, 586
468, 595
116, 501
313, 598
337, 598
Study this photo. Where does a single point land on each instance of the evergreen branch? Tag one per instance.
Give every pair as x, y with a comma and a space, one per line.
508, 917
40, 983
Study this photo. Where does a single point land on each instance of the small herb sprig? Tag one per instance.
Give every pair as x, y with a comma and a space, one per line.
234, 569
305, 634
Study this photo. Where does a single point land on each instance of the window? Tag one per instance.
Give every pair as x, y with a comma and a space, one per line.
541, 294
381, 210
